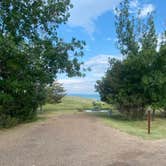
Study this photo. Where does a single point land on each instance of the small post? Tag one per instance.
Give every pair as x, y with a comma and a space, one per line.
149, 119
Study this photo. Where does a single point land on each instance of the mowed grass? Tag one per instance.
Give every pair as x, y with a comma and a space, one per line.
137, 128
69, 104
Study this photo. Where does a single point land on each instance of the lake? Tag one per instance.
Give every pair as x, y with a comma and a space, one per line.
88, 96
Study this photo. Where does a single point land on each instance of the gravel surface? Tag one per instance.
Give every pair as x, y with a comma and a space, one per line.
76, 140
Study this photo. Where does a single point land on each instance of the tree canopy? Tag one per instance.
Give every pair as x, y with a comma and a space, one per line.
32, 54
138, 81
55, 93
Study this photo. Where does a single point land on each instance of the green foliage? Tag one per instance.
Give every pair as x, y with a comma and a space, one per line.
32, 54
125, 29
55, 93
138, 81
7, 121
97, 106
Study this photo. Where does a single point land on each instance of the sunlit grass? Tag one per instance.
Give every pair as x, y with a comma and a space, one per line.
69, 104
72, 104
137, 128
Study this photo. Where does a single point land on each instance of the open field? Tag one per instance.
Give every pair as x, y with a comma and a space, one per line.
69, 104
72, 104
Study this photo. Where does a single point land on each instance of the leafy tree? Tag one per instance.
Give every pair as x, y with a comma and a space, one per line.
125, 29
55, 93
161, 81
109, 85
137, 81
150, 55
149, 37
32, 54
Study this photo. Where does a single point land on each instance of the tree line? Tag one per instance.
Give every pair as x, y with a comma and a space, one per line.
138, 81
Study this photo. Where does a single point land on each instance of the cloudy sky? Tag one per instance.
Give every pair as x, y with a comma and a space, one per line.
93, 21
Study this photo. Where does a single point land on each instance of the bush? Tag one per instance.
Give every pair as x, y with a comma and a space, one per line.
6, 121
29, 61
97, 106
55, 93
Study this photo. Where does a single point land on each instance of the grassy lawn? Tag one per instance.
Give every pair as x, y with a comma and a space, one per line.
137, 128
71, 104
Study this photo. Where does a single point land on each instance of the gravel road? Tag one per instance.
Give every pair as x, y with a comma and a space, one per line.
76, 140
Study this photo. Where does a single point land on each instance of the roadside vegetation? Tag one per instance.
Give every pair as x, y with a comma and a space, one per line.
135, 127
31, 56
138, 82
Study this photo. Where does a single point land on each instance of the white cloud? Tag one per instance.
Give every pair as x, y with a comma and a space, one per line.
134, 3
147, 8
78, 85
85, 12
135, 6
99, 65
70, 81
101, 59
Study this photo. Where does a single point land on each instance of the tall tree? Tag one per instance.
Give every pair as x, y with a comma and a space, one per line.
125, 29
55, 93
32, 53
134, 85
149, 37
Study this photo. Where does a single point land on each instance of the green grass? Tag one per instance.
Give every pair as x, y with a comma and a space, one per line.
72, 104
69, 104
137, 128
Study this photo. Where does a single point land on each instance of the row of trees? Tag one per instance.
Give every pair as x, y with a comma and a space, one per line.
139, 80
31, 55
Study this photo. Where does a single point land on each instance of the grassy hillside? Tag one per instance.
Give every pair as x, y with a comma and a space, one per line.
72, 104
69, 104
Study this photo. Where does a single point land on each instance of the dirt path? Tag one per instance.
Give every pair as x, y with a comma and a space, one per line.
76, 140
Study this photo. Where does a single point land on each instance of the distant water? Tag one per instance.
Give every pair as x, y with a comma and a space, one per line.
88, 96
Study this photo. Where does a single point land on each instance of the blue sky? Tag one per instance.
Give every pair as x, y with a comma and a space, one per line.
93, 22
